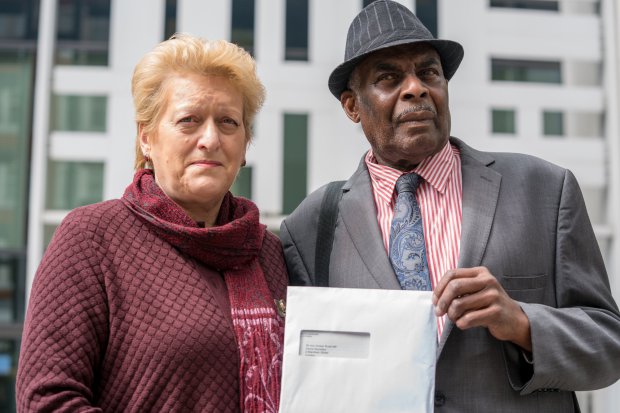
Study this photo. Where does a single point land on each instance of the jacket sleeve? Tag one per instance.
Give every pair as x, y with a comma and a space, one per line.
66, 326
297, 270
575, 345
298, 235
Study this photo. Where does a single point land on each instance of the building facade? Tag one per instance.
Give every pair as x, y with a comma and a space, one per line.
539, 76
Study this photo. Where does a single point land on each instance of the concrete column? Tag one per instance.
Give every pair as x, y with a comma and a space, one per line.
40, 134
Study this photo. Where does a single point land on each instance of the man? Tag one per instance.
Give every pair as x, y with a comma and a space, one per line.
524, 307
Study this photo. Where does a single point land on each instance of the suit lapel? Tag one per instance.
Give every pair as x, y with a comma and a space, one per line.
358, 212
480, 194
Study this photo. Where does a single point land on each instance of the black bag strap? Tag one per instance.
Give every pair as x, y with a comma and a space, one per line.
328, 215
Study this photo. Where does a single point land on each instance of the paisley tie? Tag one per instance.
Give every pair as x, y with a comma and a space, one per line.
407, 248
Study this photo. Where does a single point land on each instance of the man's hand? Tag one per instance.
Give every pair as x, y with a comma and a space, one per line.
472, 297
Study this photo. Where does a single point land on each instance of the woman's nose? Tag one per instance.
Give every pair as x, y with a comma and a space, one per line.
209, 139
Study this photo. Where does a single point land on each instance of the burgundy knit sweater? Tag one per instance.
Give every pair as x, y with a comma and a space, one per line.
120, 321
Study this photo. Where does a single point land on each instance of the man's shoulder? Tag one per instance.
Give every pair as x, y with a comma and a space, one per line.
507, 161
310, 206
526, 164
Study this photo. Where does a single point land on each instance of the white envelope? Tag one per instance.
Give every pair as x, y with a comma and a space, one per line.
358, 350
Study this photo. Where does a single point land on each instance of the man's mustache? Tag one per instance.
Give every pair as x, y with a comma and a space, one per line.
413, 109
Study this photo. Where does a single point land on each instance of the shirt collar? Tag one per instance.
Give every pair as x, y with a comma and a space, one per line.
435, 169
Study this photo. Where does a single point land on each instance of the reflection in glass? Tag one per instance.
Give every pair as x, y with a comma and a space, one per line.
243, 184
426, 10
19, 19
527, 4
16, 78
296, 30
73, 184
295, 168
8, 368
503, 121
526, 71
170, 22
242, 27
83, 31
79, 113
553, 123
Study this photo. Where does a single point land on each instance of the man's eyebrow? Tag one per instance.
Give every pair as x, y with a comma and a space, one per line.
385, 66
431, 61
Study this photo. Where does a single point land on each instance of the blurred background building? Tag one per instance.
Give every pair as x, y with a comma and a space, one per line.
539, 76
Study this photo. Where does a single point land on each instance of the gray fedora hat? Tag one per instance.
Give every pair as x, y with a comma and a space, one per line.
383, 24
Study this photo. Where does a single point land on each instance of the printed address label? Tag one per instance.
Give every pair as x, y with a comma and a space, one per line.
344, 344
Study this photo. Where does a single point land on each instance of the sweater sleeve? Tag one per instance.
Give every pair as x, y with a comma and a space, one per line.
66, 326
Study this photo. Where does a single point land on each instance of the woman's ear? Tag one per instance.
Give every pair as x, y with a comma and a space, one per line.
349, 104
144, 140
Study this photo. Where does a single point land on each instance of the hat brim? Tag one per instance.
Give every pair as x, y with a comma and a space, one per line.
451, 54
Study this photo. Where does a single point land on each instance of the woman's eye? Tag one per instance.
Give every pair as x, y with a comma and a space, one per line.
186, 119
230, 121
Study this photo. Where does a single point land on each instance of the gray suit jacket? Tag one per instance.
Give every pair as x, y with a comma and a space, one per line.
526, 221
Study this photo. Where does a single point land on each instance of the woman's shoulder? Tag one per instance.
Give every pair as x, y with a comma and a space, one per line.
95, 220
94, 214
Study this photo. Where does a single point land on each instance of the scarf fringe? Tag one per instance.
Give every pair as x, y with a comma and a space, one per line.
260, 370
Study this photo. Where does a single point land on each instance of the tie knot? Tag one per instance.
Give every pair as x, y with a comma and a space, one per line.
407, 183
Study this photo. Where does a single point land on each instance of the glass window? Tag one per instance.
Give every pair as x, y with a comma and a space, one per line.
48, 233
426, 10
170, 22
19, 19
9, 352
527, 4
243, 184
503, 121
296, 30
12, 279
526, 71
83, 31
295, 168
16, 85
553, 123
73, 184
242, 27
79, 113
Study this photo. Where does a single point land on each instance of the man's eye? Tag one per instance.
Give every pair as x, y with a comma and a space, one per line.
386, 76
429, 72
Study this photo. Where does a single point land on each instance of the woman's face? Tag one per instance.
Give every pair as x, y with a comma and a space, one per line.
199, 144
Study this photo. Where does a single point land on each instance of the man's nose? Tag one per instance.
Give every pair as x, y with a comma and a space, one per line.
413, 87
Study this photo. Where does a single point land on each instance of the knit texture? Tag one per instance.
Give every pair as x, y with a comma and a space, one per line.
119, 320
230, 246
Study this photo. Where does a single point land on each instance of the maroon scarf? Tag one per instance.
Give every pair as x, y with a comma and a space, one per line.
231, 247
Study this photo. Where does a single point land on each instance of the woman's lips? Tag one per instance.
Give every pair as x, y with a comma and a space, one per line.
207, 164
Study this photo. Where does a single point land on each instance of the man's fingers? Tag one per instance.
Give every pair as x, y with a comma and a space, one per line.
452, 275
456, 289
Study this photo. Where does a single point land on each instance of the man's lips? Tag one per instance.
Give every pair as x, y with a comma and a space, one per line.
416, 116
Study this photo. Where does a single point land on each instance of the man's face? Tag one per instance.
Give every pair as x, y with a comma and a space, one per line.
400, 96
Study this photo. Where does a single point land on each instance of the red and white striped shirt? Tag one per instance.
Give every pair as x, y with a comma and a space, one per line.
440, 198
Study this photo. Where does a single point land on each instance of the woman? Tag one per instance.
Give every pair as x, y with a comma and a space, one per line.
164, 300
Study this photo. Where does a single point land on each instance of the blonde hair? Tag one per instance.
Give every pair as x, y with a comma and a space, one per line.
183, 54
